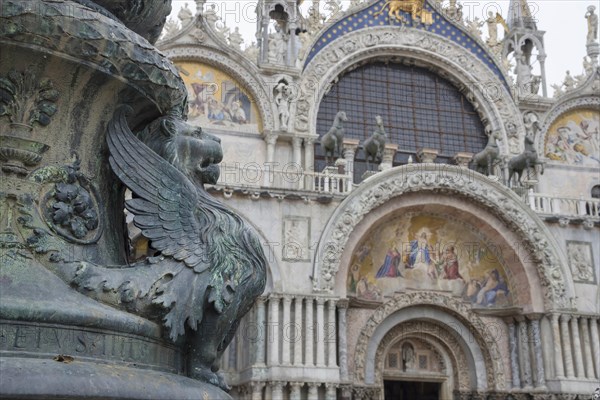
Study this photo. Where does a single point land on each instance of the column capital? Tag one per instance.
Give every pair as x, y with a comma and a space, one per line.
287, 299
343, 303
276, 384
510, 320
297, 141
519, 318
261, 300
331, 303
271, 138
310, 140
313, 385
321, 300
534, 316
565, 318
275, 296
294, 385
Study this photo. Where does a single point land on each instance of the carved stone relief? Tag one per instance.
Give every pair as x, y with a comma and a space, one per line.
296, 239
581, 260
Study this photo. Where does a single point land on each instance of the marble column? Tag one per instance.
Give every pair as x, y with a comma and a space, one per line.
342, 339
595, 344
540, 375
524, 357
298, 331
295, 390
271, 140
514, 355
297, 160
287, 330
276, 390
313, 391
261, 329
350, 148
331, 334
559, 370
273, 331
257, 389
309, 328
579, 371
587, 348
309, 162
566, 345
320, 329
331, 391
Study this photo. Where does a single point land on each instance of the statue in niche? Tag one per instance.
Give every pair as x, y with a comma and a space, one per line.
375, 144
282, 99
277, 46
236, 39
524, 75
185, 15
333, 140
209, 265
408, 357
592, 23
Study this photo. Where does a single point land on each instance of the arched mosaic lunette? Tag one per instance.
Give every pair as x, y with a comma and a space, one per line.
475, 188
480, 85
462, 311
243, 74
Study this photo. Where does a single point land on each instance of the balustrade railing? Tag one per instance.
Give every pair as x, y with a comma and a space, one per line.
569, 206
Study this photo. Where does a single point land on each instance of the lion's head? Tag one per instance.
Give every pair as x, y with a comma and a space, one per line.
193, 152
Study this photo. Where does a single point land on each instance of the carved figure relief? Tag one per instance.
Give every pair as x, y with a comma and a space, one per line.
296, 239
574, 138
581, 260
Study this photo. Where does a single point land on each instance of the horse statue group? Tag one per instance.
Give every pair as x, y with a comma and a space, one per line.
485, 161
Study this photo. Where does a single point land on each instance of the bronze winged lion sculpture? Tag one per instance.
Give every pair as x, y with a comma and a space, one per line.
210, 266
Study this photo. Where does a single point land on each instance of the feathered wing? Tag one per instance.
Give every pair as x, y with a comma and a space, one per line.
165, 211
165, 208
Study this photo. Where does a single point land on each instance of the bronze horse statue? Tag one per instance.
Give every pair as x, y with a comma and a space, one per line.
524, 161
483, 161
332, 141
375, 144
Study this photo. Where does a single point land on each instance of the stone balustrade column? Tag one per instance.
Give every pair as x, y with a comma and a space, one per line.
559, 370
257, 390
566, 345
295, 390
540, 374
524, 357
286, 329
331, 334
514, 353
595, 344
320, 329
342, 339
587, 348
273, 331
313, 391
389, 152
309, 328
579, 370
331, 391
298, 331
261, 332
276, 390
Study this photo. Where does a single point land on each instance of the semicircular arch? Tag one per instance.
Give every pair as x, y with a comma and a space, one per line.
488, 94
538, 247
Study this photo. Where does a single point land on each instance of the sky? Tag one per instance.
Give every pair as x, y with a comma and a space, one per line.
563, 21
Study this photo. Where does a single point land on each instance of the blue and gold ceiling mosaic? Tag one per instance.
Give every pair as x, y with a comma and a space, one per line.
372, 17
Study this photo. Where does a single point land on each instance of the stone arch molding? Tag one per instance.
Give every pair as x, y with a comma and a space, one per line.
459, 315
482, 87
243, 72
542, 249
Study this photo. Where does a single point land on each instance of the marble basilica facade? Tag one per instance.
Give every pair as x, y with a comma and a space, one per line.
327, 327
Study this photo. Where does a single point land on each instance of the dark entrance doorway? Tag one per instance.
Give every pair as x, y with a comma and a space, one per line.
404, 390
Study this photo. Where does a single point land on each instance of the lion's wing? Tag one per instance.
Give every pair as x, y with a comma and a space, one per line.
164, 210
